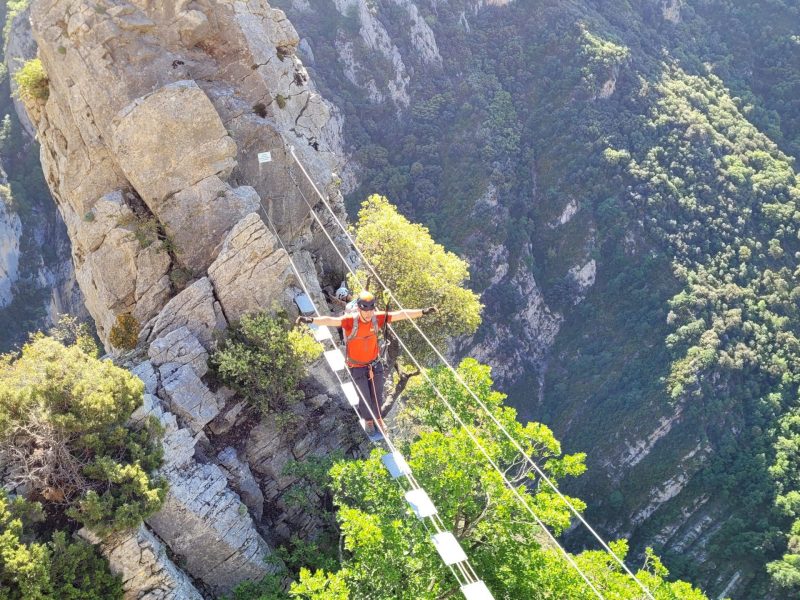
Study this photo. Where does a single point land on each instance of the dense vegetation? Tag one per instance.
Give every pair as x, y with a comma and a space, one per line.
64, 436
60, 569
387, 551
675, 139
264, 360
71, 456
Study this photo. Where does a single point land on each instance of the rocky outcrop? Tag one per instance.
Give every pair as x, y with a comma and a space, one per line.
518, 340
250, 256
195, 308
221, 83
671, 10
140, 559
206, 523
149, 142
584, 277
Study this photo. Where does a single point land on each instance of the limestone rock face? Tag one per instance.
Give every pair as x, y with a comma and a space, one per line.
202, 520
146, 570
208, 525
241, 477
169, 140
187, 396
124, 273
249, 257
182, 347
197, 218
165, 102
195, 308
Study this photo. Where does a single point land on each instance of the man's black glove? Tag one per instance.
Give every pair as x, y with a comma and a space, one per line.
429, 310
302, 319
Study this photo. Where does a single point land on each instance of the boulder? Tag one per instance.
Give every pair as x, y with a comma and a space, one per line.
252, 272
182, 347
187, 396
197, 145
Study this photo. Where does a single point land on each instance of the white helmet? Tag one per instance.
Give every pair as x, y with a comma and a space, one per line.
342, 293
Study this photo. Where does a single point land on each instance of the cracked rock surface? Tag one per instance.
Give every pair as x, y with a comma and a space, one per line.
162, 109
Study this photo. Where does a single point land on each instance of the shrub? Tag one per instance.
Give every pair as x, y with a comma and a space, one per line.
263, 361
70, 330
32, 81
59, 569
63, 435
125, 332
180, 277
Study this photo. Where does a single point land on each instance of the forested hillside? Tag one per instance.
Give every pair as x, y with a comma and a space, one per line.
637, 160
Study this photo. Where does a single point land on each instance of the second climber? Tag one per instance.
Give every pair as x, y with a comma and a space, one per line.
362, 350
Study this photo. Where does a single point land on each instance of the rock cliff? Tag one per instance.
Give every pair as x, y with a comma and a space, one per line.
150, 141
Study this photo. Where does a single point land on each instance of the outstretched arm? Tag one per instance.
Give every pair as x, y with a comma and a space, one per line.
410, 313
327, 321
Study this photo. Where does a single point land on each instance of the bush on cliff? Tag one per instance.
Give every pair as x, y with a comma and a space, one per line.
64, 435
60, 569
124, 333
262, 360
32, 81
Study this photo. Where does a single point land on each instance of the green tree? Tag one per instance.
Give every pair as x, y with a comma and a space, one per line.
64, 435
389, 553
419, 272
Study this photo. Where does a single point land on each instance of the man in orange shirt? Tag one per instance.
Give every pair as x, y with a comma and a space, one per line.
362, 350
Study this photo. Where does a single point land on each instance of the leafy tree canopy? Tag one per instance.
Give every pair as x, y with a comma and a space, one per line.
418, 271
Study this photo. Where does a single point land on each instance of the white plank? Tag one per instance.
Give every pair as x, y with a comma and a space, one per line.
448, 548
350, 393
304, 304
396, 464
321, 333
420, 503
335, 359
264, 157
476, 591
